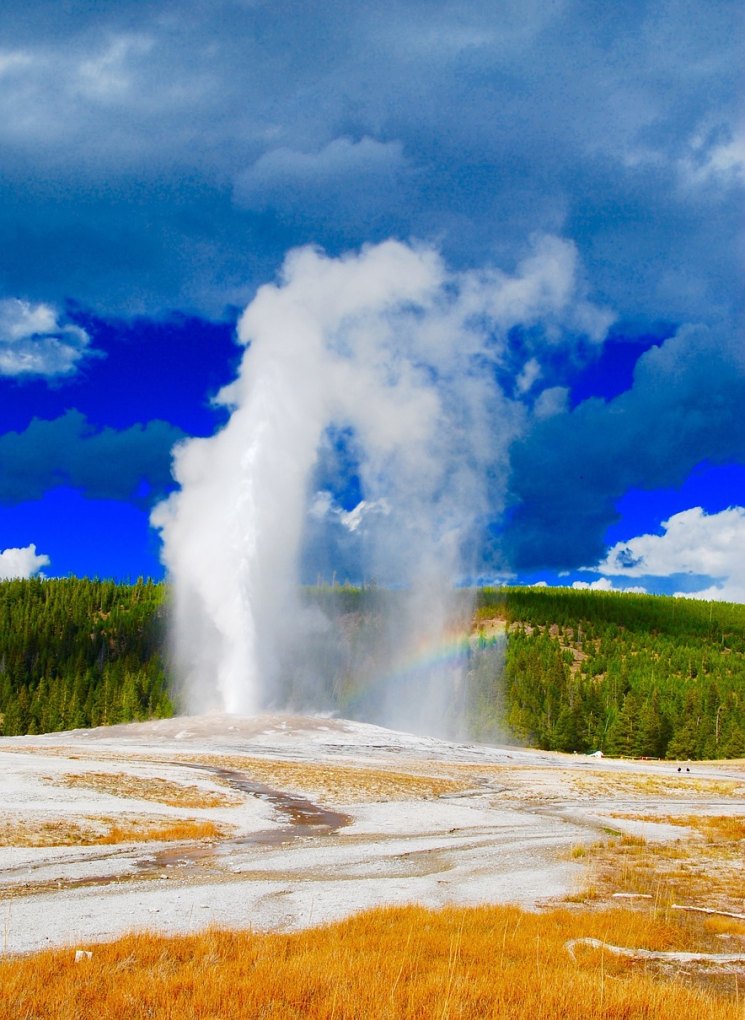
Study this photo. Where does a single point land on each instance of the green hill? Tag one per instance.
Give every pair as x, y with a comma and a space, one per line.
582, 671
627, 674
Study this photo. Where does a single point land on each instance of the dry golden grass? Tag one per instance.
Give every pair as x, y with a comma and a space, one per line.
164, 791
725, 926
496, 962
338, 784
566, 782
716, 828
73, 753
103, 831
335, 782
604, 783
702, 869
165, 831
50, 832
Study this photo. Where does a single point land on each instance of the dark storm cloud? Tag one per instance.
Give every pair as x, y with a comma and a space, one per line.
165, 155
127, 464
684, 407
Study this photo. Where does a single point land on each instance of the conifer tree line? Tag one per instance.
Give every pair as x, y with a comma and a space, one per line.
77, 652
637, 675
627, 674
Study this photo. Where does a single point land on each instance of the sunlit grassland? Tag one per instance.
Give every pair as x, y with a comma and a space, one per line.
410, 779
333, 782
405, 962
337, 783
705, 868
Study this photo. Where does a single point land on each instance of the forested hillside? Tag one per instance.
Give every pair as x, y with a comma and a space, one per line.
75, 652
633, 675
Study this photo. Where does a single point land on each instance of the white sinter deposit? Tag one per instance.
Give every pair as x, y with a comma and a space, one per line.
374, 830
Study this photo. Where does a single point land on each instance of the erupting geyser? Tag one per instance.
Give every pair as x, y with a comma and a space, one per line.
400, 355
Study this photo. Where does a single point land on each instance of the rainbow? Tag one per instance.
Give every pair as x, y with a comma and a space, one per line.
449, 651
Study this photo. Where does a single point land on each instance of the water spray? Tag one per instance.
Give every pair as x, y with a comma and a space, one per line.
388, 347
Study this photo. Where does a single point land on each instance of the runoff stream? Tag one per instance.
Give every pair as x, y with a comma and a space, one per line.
302, 819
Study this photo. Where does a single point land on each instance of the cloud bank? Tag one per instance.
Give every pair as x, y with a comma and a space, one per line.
571, 469
167, 156
346, 180
692, 542
192, 132
103, 463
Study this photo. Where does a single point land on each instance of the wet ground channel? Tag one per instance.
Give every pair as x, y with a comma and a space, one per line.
304, 819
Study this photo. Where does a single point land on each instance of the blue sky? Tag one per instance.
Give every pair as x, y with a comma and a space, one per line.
160, 159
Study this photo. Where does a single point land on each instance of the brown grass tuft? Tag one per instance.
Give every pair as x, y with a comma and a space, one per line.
725, 926
104, 831
165, 831
716, 828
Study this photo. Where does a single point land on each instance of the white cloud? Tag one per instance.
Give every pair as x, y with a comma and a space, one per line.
34, 342
59, 95
547, 288
13, 60
605, 584
352, 519
716, 155
554, 400
530, 374
21, 563
109, 75
693, 542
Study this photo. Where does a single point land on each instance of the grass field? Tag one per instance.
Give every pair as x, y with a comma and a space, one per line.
403, 962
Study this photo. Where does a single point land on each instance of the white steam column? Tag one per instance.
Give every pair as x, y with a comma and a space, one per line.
388, 345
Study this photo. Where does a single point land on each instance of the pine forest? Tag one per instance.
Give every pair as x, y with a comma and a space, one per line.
585, 671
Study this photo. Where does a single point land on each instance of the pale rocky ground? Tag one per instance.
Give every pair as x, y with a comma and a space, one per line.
345, 816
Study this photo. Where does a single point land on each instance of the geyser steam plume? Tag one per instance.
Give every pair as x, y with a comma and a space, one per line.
388, 348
